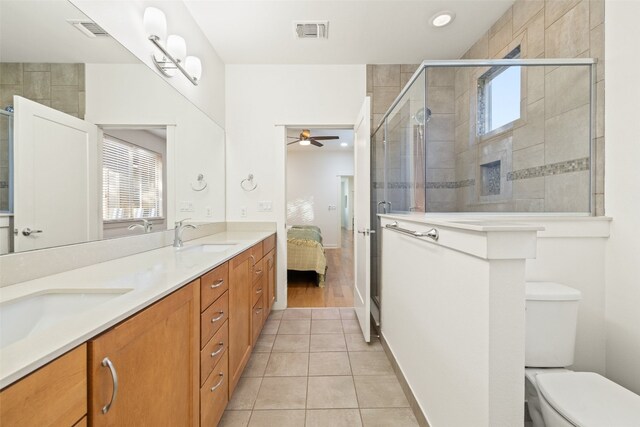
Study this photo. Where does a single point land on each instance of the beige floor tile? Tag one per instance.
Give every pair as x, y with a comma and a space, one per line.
402, 417
330, 363
282, 393
334, 418
276, 315
235, 419
347, 313
380, 392
256, 365
271, 327
351, 326
296, 313
245, 393
325, 313
328, 342
331, 393
355, 342
264, 343
370, 363
291, 344
288, 365
326, 326
277, 418
294, 327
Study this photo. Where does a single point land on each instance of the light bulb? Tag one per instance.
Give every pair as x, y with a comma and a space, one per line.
177, 47
155, 23
193, 65
442, 19
305, 142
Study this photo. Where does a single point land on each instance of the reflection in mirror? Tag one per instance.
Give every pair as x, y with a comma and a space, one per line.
93, 144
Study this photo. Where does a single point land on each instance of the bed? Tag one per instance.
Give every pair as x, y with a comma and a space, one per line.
305, 251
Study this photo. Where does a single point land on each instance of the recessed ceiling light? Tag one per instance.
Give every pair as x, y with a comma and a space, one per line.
442, 19
343, 144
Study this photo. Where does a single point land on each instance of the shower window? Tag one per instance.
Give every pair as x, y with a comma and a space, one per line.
499, 96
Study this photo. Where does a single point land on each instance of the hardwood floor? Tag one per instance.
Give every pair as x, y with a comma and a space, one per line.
302, 290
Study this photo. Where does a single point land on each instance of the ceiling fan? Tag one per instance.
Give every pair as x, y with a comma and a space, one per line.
306, 138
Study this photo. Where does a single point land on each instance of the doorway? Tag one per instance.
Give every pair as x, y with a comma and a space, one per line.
319, 216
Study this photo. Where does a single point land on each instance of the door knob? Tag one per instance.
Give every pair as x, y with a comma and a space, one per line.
28, 232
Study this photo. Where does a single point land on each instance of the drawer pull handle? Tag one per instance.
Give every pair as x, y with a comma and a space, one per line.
215, 319
258, 271
259, 291
219, 382
114, 377
258, 310
215, 353
253, 261
217, 284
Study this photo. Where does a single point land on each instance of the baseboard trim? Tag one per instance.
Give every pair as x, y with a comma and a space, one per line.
413, 402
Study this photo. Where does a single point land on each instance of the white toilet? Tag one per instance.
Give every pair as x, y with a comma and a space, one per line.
556, 396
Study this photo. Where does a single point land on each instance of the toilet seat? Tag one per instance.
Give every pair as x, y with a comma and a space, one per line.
586, 399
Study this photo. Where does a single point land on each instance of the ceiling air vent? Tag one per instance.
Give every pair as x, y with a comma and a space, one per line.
312, 30
88, 28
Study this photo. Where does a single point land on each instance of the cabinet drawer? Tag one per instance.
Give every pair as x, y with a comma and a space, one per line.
256, 252
213, 351
213, 284
213, 318
53, 395
81, 423
214, 394
269, 244
258, 270
258, 290
257, 317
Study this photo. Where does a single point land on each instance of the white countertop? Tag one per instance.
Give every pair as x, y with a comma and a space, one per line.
466, 223
150, 276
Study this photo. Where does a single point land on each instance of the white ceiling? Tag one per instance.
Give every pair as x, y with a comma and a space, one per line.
346, 135
38, 31
360, 31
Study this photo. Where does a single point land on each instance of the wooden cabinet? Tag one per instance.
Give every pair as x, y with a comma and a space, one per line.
271, 281
54, 395
240, 275
214, 394
156, 357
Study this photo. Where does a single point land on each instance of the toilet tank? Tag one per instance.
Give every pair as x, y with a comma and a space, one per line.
551, 319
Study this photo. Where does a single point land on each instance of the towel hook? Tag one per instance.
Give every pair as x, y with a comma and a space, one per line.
248, 180
201, 185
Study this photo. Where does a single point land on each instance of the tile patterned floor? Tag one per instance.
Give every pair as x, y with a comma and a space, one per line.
311, 368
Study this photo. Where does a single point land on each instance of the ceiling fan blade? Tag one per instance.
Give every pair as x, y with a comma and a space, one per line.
293, 137
321, 138
289, 143
314, 142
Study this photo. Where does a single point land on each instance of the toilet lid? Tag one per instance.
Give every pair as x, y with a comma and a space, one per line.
587, 399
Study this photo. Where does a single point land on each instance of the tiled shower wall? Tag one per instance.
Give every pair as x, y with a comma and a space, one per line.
60, 86
543, 163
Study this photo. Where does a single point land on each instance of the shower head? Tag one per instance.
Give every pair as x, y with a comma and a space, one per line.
421, 118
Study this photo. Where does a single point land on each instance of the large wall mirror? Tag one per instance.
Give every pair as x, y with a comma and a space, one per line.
93, 144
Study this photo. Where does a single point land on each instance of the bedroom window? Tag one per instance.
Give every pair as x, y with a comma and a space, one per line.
499, 96
131, 181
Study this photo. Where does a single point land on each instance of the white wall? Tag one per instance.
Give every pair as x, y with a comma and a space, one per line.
123, 21
313, 183
260, 97
622, 192
129, 94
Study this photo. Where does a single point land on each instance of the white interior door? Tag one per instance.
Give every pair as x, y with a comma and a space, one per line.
56, 178
362, 220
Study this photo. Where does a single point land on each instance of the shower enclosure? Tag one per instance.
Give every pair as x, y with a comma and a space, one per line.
6, 154
503, 136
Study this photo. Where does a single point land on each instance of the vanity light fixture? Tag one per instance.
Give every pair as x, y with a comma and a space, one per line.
442, 19
173, 56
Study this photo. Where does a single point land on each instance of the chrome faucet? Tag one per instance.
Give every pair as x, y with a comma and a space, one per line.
146, 225
179, 228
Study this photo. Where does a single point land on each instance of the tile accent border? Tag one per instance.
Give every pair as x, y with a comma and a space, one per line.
568, 166
428, 184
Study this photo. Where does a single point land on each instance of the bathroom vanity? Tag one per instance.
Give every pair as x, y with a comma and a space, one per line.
168, 351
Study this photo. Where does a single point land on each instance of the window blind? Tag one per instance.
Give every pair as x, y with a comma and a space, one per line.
131, 181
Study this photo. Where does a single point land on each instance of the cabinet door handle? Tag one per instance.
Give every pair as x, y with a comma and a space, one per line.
219, 382
215, 319
258, 310
114, 377
259, 291
217, 284
215, 353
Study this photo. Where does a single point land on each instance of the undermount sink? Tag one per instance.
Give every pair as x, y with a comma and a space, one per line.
41, 311
211, 247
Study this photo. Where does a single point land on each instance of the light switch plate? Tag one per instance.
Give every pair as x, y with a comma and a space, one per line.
265, 206
186, 206
243, 212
